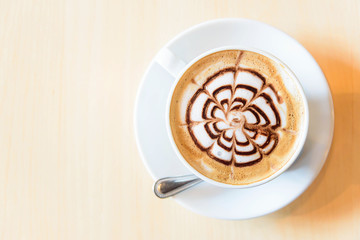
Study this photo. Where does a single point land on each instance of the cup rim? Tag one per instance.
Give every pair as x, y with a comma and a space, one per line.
300, 143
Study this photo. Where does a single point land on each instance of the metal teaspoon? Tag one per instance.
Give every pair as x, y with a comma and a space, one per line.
170, 186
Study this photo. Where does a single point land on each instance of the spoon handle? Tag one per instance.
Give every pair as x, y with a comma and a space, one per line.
169, 186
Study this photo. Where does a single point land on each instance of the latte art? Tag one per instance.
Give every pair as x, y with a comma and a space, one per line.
234, 117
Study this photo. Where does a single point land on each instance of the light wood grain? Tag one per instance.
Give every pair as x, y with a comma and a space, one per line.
69, 166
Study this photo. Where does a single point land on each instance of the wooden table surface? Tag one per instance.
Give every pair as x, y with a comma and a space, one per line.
69, 165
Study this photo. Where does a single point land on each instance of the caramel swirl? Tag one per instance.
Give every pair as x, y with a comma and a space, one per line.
234, 117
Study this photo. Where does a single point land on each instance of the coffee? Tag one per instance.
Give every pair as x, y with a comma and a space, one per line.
236, 116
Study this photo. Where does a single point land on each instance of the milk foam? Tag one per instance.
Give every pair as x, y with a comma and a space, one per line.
234, 116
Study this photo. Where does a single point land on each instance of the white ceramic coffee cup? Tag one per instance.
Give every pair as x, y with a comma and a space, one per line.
176, 67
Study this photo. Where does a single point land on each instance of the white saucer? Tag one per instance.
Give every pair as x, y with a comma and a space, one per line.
205, 199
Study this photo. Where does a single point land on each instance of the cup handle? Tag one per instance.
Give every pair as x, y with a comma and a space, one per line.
171, 63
